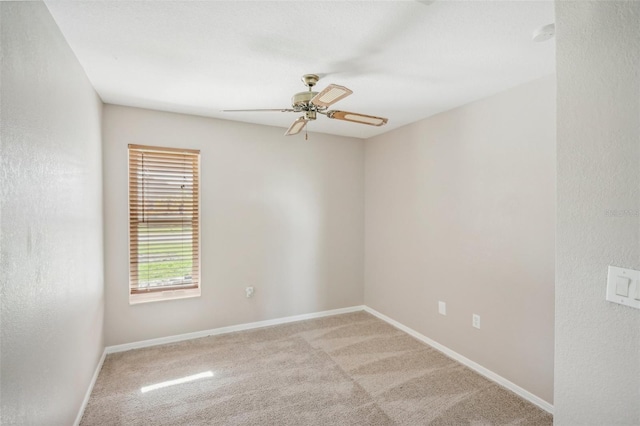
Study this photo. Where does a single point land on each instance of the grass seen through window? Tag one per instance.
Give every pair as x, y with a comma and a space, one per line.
166, 262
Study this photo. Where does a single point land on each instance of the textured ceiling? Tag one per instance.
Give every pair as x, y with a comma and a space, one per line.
405, 60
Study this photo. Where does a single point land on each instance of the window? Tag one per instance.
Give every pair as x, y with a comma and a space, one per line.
164, 223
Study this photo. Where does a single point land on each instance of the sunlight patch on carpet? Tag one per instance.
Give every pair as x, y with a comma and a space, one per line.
176, 381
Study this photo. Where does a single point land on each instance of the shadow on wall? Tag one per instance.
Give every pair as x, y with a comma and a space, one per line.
284, 224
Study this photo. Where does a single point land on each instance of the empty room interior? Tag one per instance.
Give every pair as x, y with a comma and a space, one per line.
320, 212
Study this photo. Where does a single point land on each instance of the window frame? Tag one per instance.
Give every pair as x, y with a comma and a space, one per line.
137, 296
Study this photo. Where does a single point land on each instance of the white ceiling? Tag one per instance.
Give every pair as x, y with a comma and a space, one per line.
405, 60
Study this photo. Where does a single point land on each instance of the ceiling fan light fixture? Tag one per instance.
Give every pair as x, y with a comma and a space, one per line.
357, 118
296, 127
330, 95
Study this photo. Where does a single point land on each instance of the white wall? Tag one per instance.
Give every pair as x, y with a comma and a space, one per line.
51, 222
597, 378
460, 207
279, 213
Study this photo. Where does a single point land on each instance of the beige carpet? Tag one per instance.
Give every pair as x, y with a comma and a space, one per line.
351, 369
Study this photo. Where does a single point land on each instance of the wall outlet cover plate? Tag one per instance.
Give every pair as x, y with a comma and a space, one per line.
442, 308
475, 320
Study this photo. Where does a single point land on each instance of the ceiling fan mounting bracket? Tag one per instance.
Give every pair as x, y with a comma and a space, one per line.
310, 80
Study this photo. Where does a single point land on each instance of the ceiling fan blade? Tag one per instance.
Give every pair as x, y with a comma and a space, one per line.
257, 110
296, 127
371, 120
330, 95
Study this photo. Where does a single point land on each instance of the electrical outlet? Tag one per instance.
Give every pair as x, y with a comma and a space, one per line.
442, 308
249, 291
475, 321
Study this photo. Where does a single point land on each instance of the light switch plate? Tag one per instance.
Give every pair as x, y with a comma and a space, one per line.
621, 282
442, 308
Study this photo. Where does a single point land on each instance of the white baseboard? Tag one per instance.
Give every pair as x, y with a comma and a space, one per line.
466, 361
259, 324
90, 388
229, 329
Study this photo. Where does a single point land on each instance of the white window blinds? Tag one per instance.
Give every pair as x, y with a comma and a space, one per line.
164, 219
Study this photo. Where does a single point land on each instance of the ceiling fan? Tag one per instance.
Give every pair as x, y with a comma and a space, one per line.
311, 103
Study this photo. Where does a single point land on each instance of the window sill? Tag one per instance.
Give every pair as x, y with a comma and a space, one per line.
159, 296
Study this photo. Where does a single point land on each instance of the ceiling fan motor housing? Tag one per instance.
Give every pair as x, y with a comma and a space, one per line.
302, 102
302, 99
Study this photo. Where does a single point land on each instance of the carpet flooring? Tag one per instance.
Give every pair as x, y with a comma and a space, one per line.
351, 369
